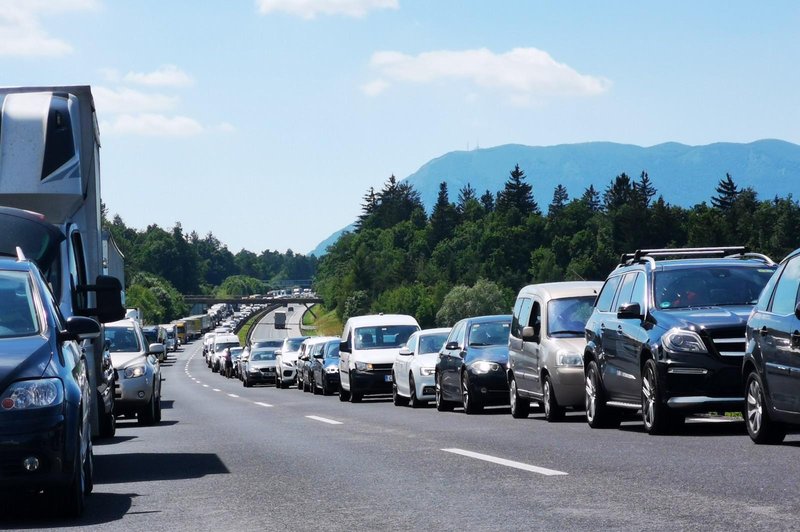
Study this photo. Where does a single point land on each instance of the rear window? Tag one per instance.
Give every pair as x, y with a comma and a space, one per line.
710, 286
17, 310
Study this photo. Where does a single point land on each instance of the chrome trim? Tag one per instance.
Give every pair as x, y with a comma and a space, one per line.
687, 371
731, 353
729, 340
622, 404
702, 399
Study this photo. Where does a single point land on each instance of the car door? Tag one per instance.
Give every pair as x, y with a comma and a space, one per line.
450, 362
516, 347
632, 337
598, 331
532, 349
781, 341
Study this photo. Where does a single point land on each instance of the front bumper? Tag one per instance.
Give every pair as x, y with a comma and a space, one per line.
569, 386
490, 388
288, 373
371, 382
701, 383
426, 386
262, 375
132, 393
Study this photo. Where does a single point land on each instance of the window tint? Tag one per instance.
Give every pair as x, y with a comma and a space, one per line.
567, 317
709, 286
431, 343
606, 296
383, 337
639, 294
536, 319
625, 291
786, 290
492, 333
457, 334
18, 315
412, 342
766, 294
522, 311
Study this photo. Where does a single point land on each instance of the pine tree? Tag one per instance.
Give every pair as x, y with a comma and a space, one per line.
618, 193
644, 190
466, 194
369, 204
591, 197
487, 200
444, 217
517, 194
560, 199
727, 193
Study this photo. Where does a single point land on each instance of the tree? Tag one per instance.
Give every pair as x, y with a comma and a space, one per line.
644, 190
465, 195
517, 194
369, 204
240, 285
618, 193
591, 197
487, 201
560, 198
484, 298
444, 217
727, 191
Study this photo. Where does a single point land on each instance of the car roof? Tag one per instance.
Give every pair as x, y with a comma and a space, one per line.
314, 340
430, 332
381, 319
14, 264
489, 319
674, 264
565, 289
226, 338
127, 322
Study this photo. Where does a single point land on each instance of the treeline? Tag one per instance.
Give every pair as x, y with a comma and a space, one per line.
398, 259
161, 266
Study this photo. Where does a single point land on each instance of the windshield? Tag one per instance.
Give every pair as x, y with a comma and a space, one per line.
492, 333
151, 336
383, 337
567, 317
293, 344
122, 339
17, 311
431, 343
268, 343
223, 345
709, 287
332, 349
262, 354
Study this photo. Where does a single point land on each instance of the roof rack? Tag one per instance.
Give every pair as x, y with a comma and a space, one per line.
731, 251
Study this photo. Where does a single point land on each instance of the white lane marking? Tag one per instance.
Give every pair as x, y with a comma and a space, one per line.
232, 395
216, 389
508, 463
263, 404
325, 420
205, 386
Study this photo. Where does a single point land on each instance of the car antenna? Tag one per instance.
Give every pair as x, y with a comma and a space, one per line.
20, 254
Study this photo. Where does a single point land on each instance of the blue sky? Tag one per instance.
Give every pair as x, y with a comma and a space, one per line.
265, 121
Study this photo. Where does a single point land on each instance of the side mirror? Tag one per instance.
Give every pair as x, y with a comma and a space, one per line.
80, 328
344, 347
156, 349
278, 353
797, 311
629, 311
529, 334
451, 346
405, 352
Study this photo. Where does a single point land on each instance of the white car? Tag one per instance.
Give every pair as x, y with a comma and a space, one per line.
221, 342
413, 371
286, 361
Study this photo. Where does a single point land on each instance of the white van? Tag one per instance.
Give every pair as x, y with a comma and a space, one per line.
367, 352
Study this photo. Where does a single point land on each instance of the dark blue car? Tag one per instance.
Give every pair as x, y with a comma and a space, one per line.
471, 370
45, 433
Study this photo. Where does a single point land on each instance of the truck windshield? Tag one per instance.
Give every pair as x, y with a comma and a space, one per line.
709, 286
17, 312
383, 337
567, 317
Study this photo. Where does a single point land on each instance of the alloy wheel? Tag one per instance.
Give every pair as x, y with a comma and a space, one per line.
546, 398
754, 406
591, 395
649, 399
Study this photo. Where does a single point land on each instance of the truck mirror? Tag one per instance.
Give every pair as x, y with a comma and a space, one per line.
109, 299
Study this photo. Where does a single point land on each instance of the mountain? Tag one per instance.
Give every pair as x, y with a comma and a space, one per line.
684, 175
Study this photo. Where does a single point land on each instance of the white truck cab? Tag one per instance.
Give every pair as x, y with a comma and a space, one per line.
367, 352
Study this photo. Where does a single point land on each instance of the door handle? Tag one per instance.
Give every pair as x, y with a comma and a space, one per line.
796, 338
619, 327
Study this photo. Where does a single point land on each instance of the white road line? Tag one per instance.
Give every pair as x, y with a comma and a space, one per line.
205, 386
233, 395
216, 389
509, 463
325, 420
263, 404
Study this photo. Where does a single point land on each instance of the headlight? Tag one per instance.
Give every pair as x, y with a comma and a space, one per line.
569, 359
427, 371
132, 372
685, 341
363, 366
331, 369
37, 393
484, 366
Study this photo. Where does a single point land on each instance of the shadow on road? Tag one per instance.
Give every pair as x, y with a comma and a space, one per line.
111, 441
37, 511
166, 404
141, 467
697, 428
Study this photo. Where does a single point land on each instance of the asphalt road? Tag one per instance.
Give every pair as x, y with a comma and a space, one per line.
227, 457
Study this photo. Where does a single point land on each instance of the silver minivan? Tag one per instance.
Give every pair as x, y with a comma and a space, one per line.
545, 347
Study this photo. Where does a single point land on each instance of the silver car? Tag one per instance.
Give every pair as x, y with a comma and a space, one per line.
260, 366
138, 387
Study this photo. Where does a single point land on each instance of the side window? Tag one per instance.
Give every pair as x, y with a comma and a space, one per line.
522, 310
766, 293
606, 296
77, 270
785, 298
457, 334
625, 291
535, 320
639, 294
412, 343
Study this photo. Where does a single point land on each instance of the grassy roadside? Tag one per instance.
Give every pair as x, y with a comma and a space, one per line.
326, 322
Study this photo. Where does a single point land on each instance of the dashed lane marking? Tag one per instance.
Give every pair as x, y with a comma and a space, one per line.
508, 463
205, 386
233, 395
325, 420
216, 389
263, 404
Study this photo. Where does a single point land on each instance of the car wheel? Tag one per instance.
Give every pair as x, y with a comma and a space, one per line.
108, 421
472, 404
442, 405
520, 406
157, 416
278, 382
552, 410
147, 414
88, 471
655, 414
598, 415
355, 396
415, 403
344, 395
325, 390
760, 427
299, 383
246, 382
72, 500
397, 399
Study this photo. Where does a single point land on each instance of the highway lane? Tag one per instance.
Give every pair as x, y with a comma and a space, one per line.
229, 458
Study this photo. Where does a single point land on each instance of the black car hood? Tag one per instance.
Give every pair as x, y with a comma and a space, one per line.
492, 353
23, 358
703, 317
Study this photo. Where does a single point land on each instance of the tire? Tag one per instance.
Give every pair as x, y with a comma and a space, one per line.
157, 412
278, 382
397, 399
325, 389
761, 428
72, 501
314, 389
655, 414
305, 386
552, 410
246, 382
355, 396
147, 415
88, 471
108, 421
520, 406
344, 395
442, 405
472, 405
299, 383
598, 415
415, 403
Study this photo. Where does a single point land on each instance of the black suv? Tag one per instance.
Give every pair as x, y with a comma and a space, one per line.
667, 335
772, 360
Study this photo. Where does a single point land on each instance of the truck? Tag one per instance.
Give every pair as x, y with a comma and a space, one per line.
280, 319
180, 327
49, 164
193, 327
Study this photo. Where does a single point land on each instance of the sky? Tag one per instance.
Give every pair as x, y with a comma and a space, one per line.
266, 121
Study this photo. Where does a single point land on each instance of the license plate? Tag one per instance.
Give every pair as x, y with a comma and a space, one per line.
387, 378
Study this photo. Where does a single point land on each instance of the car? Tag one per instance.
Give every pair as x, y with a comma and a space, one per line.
236, 354
269, 342
305, 362
414, 367
545, 347
667, 335
471, 367
156, 334
138, 388
172, 342
367, 351
325, 368
208, 341
771, 367
221, 342
287, 359
45, 411
260, 366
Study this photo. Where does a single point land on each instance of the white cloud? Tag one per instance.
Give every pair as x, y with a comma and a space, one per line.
21, 30
226, 127
524, 74
163, 76
309, 9
153, 125
373, 88
124, 100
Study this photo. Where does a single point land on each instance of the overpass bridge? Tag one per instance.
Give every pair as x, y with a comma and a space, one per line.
211, 300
